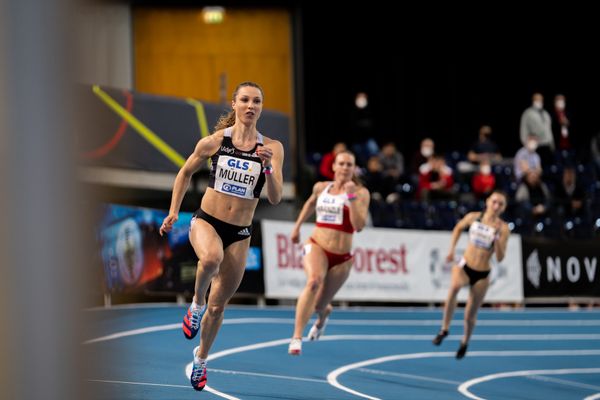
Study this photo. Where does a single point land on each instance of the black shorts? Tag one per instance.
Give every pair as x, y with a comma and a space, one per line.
475, 275
227, 232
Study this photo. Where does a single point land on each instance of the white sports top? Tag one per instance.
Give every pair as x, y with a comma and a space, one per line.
482, 235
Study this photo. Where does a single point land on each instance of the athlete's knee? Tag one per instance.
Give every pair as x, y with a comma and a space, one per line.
210, 262
314, 283
216, 310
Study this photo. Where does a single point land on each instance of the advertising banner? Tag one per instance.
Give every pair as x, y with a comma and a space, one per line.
136, 258
555, 268
389, 265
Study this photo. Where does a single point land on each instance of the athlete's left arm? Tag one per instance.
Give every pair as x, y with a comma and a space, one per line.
359, 208
272, 156
501, 242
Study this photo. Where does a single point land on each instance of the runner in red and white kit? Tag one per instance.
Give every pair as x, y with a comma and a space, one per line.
342, 206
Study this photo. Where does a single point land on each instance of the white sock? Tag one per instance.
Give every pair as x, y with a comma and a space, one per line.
198, 360
195, 305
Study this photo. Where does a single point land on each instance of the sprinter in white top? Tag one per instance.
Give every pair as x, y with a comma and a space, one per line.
488, 235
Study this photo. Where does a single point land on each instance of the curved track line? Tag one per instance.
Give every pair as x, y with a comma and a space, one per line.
332, 377
464, 387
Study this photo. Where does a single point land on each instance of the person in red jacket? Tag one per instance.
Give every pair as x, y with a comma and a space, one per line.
484, 181
326, 166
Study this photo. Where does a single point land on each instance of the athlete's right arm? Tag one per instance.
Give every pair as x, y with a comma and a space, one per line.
458, 228
204, 149
307, 210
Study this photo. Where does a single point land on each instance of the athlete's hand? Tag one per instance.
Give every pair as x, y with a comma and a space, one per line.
265, 154
450, 257
295, 236
349, 187
167, 224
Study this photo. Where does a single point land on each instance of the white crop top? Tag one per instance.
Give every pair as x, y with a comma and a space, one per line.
482, 235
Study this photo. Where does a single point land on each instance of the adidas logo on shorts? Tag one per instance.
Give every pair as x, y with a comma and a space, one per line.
244, 232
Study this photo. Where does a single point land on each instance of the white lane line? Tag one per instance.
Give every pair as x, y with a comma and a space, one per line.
565, 382
134, 332
501, 337
550, 336
354, 309
140, 383
291, 378
332, 377
464, 387
595, 396
409, 376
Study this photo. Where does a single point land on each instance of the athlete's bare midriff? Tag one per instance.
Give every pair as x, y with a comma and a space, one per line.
477, 258
332, 240
230, 209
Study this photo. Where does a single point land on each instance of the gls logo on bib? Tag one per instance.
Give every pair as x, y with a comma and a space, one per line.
238, 164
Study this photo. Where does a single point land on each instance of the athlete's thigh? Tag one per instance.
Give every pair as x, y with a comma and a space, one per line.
231, 271
478, 291
314, 260
205, 240
459, 277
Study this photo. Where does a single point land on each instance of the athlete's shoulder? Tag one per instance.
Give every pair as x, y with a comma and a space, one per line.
271, 142
471, 216
320, 186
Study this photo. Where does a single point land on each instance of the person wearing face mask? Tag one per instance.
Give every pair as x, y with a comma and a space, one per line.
560, 123
527, 158
483, 182
421, 157
537, 121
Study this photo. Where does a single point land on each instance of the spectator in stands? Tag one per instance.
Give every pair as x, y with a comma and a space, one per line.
533, 196
595, 152
537, 122
527, 158
570, 195
560, 123
484, 181
484, 148
375, 181
326, 166
426, 150
436, 180
221, 228
392, 162
488, 235
342, 208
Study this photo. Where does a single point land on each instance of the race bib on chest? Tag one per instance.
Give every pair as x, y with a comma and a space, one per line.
482, 235
330, 210
236, 176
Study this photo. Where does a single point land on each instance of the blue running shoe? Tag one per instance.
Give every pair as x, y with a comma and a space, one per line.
198, 376
191, 321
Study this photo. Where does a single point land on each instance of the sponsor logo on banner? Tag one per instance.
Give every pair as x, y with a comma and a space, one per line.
565, 268
559, 269
534, 269
366, 260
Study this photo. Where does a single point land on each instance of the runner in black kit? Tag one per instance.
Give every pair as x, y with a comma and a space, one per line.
243, 160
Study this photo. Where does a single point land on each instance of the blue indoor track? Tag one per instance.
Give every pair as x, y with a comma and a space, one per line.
139, 352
